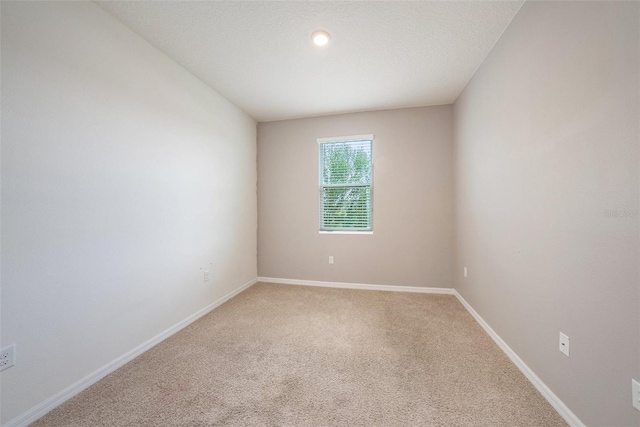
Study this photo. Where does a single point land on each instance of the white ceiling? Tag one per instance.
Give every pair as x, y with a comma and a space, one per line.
382, 55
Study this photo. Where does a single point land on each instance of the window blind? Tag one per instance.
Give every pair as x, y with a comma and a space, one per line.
346, 179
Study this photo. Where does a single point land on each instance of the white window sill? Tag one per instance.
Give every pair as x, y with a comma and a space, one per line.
345, 232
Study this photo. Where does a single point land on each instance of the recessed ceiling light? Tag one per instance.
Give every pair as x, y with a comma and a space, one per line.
320, 38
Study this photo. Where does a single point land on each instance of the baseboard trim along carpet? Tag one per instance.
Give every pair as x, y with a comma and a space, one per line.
546, 392
362, 286
58, 399
41, 409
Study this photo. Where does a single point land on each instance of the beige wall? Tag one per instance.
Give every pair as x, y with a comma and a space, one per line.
122, 175
412, 235
546, 139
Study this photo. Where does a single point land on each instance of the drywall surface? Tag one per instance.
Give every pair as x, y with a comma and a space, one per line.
122, 176
546, 142
412, 240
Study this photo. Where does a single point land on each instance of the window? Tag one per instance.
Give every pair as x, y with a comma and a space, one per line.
346, 183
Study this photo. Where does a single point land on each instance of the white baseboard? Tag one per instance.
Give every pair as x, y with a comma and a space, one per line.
41, 409
363, 286
551, 397
56, 400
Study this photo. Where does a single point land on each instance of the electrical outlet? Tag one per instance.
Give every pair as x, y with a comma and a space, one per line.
635, 393
330, 260
7, 357
564, 344
465, 272
206, 275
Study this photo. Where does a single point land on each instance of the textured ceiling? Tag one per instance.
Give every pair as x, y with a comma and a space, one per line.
382, 55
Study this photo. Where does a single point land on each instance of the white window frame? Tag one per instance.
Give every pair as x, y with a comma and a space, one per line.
349, 138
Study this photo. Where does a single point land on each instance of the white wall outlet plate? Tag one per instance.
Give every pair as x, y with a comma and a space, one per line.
635, 392
206, 275
465, 272
7, 357
330, 260
564, 344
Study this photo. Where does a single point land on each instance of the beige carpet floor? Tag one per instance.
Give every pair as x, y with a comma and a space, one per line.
279, 355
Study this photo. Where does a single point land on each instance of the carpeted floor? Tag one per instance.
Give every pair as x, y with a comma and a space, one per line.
280, 355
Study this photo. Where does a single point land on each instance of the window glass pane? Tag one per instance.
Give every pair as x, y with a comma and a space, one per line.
346, 162
346, 207
346, 178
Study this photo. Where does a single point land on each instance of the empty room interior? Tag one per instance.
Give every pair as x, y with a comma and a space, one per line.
320, 213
